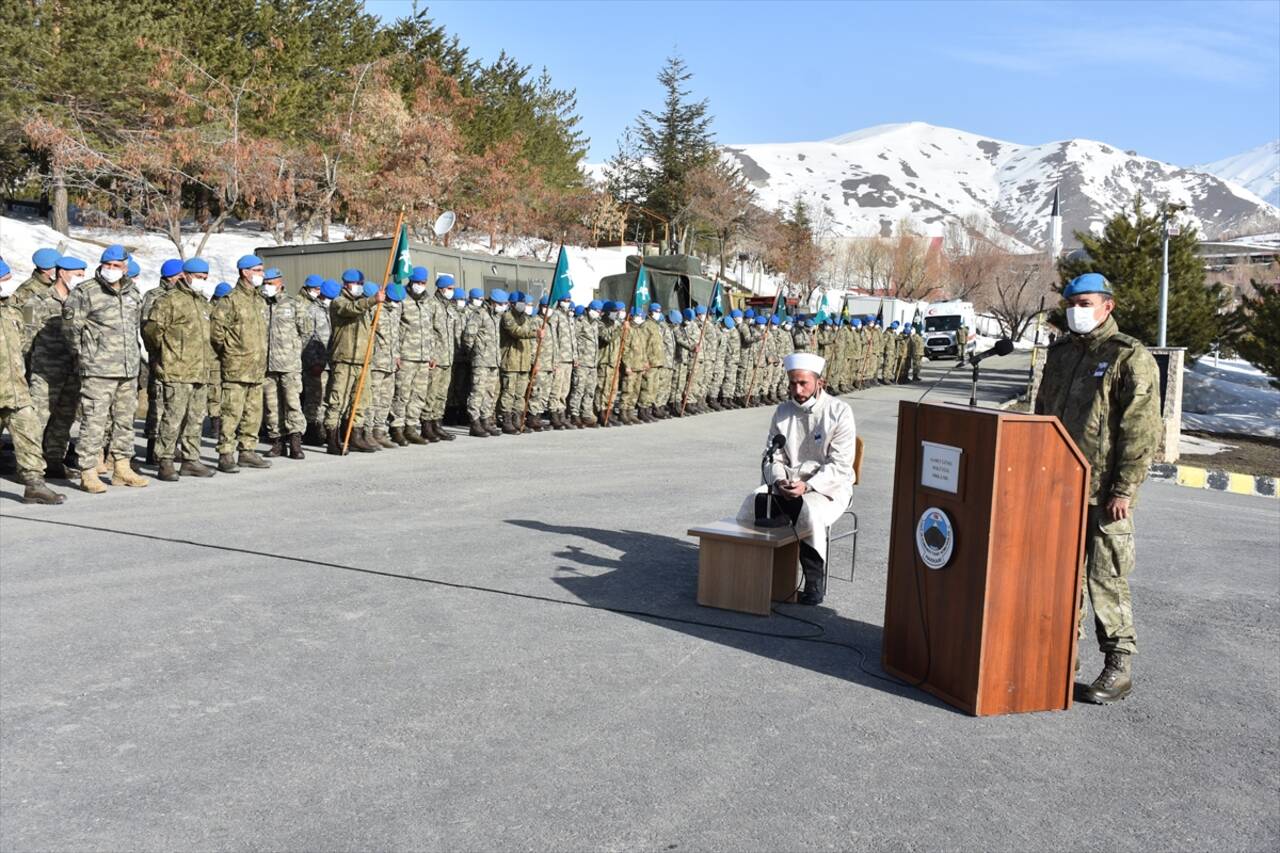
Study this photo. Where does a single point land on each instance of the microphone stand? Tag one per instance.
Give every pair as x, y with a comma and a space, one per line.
973, 387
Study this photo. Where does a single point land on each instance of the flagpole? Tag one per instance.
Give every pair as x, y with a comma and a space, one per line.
622, 337
702, 333
537, 351
373, 334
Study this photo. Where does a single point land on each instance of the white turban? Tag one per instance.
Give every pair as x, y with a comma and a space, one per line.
815, 364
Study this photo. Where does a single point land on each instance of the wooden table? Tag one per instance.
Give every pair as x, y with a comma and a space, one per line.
746, 568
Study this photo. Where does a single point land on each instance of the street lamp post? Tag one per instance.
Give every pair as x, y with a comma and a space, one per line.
1167, 212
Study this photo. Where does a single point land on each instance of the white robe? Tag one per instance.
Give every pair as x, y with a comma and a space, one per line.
819, 450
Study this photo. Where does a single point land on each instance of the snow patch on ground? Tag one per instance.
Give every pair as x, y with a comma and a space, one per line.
1229, 396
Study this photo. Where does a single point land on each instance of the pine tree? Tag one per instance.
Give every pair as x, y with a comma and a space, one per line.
1129, 254
1257, 338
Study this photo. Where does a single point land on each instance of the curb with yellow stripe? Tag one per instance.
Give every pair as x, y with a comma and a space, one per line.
1215, 479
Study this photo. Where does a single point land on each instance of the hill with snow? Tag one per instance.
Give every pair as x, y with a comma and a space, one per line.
1257, 170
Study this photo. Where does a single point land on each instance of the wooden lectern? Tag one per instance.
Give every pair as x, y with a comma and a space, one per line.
985, 558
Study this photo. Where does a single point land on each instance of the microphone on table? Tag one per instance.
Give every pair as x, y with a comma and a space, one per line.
1004, 346
768, 513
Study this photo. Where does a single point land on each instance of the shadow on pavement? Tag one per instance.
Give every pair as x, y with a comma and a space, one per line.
658, 575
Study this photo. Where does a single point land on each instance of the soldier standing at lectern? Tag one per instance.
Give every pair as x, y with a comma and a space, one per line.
1104, 387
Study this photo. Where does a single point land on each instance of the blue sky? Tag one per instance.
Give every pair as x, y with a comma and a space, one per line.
1179, 81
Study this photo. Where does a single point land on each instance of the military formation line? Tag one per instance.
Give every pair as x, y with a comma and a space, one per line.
249, 362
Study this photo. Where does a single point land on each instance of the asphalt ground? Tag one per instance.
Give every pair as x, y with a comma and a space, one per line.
478, 646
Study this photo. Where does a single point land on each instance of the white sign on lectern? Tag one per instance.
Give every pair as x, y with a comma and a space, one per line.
940, 468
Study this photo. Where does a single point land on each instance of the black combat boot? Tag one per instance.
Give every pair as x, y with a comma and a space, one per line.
398, 437
509, 424
660, 413
1112, 684
363, 441
37, 492
277, 448
333, 443
227, 464
492, 426
295, 446
440, 432
194, 468
251, 459
478, 429
381, 438
429, 433
54, 469
534, 422
166, 472
412, 436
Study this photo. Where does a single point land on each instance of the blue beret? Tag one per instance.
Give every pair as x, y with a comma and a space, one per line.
371, 288
515, 296
396, 292
352, 276
221, 290
595, 305
544, 300
809, 323
749, 314
700, 310
4, 268
688, 314
195, 265
637, 311
114, 252
476, 293
313, 280
857, 324
735, 313
1090, 282
247, 261
775, 320
728, 322
759, 320
45, 259
69, 263
171, 267
444, 280
272, 272
133, 269
330, 289
619, 306
579, 310
499, 295
675, 316
419, 275
654, 306
459, 295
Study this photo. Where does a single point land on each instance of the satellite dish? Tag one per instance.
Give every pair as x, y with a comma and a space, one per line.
444, 223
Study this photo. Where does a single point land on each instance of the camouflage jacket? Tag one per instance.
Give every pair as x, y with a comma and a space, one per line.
1104, 387
417, 320
315, 331
641, 350
544, 344
13, 377
668, 333
386, 342
446, 330
286, 330
730, 347
802, 340
560, 332
610, 337
238, 330
30, 289
177, 335
917, 347
712, 353
149, 298
586, 341
100, 325
482, 336
350, 319
47, 345
519, 334
460, 352
686, 340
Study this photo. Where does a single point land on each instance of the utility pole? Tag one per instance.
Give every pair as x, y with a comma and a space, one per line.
1166, 213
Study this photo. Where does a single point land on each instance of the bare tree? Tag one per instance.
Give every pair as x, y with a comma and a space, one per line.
1018, 282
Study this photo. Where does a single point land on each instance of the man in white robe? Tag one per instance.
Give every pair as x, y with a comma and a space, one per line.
812, 473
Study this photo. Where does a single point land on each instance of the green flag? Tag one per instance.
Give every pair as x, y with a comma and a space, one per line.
403, 265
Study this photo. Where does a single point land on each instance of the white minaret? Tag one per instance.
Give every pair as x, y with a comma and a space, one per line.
1055, 229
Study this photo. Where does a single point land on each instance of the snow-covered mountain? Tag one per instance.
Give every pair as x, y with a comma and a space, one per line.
1257, 170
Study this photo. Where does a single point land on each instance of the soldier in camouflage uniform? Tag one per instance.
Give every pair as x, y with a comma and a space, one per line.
16, 411
446, 336
45, 263
482, 338
731, 354
652, 381
213, 388
561, 331
316, 295
238, 330
468, 304
541, 373
608, 370
519, 331
635, 361
380, 384
350, 321
962, 344
177, 335
100, 322
668, 400
54, 382
419, 349
686, 335
783, 347
282, 388
1104, 387
170, 272
586, 348
711, 362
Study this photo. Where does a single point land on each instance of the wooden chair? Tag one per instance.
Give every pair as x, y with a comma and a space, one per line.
836, 537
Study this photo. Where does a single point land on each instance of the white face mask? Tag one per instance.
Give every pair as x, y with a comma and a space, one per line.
447, 292
1082, 319
256, 279
528, 308
314, 294
270, 290
476, 303
8, 286
594, 315
110, 274
500, 309
638, 319
205, 288
356, 290
74, 282
418, 289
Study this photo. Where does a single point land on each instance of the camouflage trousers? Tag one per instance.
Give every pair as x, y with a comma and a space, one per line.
1109, 560
511, 397
213, 392
25, 429
241, 414
107, 405
659, 384
540, 395
55, 395
679, 381
438, 383
379, 390
413, 384
561, 385
728, 380
342, 389
282, 404
633, 387
313, 385
483, 398
743, 380
181, 419
155, 403
606, 385
582, 391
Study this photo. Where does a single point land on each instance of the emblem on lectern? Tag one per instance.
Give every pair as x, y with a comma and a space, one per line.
935, 538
